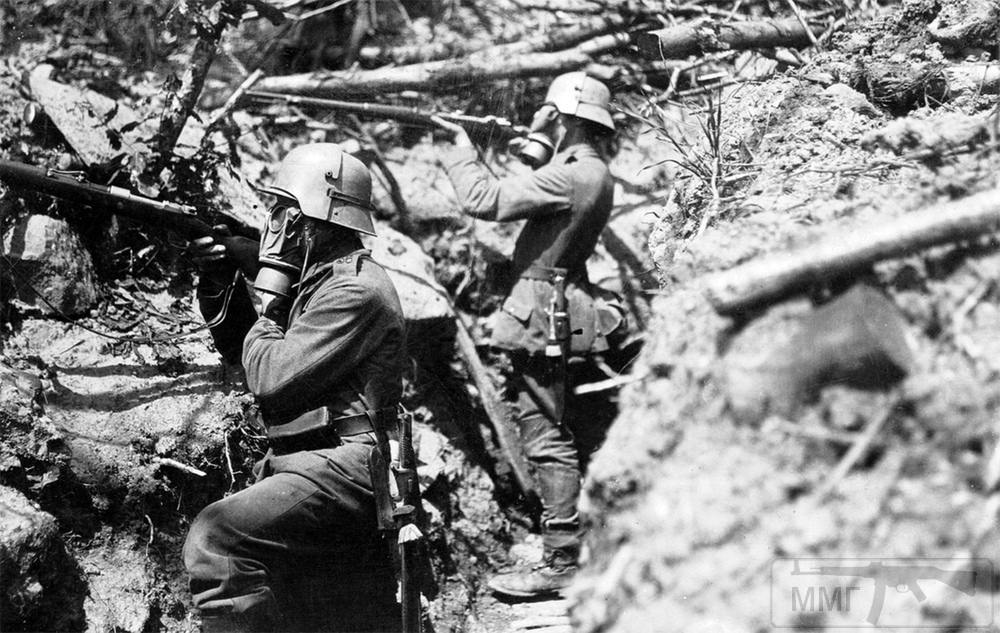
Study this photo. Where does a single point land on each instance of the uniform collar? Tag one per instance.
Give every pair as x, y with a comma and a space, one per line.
576, 150
338, 257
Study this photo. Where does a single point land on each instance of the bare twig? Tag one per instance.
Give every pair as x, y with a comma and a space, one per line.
607, 384
224, 111
856, 452
805, 25
173, 463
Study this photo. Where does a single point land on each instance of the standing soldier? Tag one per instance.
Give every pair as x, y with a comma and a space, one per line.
551, 313
298, 550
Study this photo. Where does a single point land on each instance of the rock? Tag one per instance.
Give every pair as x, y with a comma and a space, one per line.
42, 588
412, 272
78, 112
44, 256
841, 95
858, 339
966, 24
426, 305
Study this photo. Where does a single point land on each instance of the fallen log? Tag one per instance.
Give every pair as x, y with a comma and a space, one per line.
496, 410
443, 74
758, 282
707, 36
554, 39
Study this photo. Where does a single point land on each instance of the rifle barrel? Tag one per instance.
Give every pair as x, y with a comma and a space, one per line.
406, 114
74, 188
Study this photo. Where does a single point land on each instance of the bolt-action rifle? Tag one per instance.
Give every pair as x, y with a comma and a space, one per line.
481, 127
903, 577
74, 187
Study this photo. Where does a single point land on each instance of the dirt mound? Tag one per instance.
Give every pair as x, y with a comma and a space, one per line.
697, 503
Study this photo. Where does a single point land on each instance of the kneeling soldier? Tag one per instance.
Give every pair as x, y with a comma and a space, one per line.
299, 550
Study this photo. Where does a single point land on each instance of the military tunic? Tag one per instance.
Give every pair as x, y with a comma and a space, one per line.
298, 548
565, 204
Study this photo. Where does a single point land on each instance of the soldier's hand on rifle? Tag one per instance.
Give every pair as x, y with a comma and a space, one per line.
222, 252
461, 138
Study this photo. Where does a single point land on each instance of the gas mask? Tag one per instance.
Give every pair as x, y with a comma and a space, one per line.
281, 253
538, 147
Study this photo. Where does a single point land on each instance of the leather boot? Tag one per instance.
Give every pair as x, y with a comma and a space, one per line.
547, 579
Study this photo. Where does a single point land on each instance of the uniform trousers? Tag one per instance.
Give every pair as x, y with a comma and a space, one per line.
296, 551
558, 450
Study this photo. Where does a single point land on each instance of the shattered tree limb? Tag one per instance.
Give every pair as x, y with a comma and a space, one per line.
759, 282
443, 74
706, 36
209, 31
495, 409
554, 39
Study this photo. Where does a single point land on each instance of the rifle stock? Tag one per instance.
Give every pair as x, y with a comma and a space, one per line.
73, 187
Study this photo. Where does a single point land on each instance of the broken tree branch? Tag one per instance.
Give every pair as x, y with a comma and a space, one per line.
764, 280
706, 36
179, 107
854, 454
227, 108
495, 409
173, 463
554, 39
442, 74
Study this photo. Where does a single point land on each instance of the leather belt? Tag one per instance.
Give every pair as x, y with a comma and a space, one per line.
545, 273
353, 424
326, 436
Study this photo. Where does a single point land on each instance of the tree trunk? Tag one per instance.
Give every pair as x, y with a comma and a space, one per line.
706, 36
181, 104
758, 282
552, 40
440, 75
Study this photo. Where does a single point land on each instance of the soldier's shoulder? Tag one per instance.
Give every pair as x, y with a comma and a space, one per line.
374, 275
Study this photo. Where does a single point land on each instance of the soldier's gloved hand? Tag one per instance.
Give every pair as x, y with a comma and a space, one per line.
516, 144
222, 252
461, 138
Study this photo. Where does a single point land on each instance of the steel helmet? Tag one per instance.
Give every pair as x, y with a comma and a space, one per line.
329, 184
580, 95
